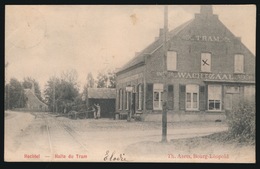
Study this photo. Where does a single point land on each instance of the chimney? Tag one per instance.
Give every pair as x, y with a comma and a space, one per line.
206, 9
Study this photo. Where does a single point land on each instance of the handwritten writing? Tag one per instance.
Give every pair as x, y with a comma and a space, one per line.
114, 157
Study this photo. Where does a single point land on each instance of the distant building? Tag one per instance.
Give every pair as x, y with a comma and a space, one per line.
209, 71
32, 102
105, 97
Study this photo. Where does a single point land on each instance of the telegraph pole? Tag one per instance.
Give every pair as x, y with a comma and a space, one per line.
165, 88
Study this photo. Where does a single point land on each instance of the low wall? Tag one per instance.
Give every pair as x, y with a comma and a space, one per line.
177, 117
30, 110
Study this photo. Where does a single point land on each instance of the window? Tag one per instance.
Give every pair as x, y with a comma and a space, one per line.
171, 61
205, 62
192, 94
239, 64
126, 100
214, 97
157, 96
139, 97
120, 103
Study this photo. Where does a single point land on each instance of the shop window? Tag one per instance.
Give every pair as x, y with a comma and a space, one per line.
139, 97
192, 94
157, 96
214, 97
205, 62
239, 64
171, 60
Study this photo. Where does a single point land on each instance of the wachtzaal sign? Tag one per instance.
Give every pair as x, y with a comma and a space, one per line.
208, 76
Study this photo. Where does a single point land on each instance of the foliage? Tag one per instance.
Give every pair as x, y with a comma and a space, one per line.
60, 93
15, 97
241, 123
106, 79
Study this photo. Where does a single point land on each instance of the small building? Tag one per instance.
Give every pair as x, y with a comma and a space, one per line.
209, 72
105, 97
32, 102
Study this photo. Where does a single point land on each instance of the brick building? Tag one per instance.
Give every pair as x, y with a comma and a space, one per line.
209, 71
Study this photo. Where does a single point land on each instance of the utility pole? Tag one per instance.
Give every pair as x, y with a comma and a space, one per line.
165, 88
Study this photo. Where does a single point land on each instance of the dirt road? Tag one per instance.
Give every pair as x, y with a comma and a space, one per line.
46, 137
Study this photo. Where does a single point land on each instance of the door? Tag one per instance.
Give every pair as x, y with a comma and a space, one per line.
192, 97
231, 101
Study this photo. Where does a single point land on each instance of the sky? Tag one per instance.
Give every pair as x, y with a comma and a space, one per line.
44, 40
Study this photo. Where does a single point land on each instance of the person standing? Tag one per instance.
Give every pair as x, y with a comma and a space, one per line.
95, 111
98, 111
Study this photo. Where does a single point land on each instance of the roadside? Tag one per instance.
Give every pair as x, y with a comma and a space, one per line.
209, 148
16, 124
139, 141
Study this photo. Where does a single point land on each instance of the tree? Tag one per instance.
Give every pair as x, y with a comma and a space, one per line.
70, 76
7, 97
16, 94
51, 92
60, 93
106, 79
90, 81
112, 79
27, 84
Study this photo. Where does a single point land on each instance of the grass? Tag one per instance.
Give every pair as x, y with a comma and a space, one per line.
218, 144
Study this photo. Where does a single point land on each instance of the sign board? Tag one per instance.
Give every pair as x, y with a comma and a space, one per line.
129, 88
209, 76
206, 38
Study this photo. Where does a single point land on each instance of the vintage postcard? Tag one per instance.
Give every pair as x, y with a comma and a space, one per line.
130, 83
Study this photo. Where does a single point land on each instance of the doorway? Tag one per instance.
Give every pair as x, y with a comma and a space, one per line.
232, 97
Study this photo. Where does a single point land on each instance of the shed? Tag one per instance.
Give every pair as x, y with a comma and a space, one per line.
105, 97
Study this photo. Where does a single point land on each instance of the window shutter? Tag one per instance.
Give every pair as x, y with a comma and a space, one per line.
149, 97
142, 103
170, 97
123, 100
137, 97
202, 98
118, 98
182, 97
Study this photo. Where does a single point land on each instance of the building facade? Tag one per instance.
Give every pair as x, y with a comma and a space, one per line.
105, 97
209, 72
33, 103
